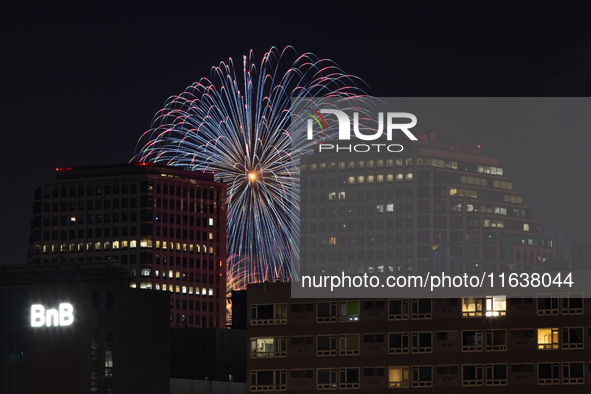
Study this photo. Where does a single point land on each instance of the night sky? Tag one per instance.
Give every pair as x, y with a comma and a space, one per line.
81, 83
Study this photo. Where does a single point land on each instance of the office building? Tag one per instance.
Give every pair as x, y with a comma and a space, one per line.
382, 213
165, 225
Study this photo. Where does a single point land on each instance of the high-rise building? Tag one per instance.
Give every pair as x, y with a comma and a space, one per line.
383, 212
166, 225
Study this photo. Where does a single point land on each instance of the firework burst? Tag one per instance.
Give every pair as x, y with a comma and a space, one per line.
237, 125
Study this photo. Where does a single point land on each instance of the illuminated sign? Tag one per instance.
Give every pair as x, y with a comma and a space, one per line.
63, 316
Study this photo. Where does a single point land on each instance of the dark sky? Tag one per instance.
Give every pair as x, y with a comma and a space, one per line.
80, 83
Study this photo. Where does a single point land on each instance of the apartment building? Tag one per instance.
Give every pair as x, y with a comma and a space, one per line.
539, 343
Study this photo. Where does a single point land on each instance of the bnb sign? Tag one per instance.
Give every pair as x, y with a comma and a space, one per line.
63, 316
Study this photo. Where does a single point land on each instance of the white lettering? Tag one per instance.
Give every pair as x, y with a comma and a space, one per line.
356, 148
364, 137
37, 315
63, 316
66, 314
397, 145
403, 127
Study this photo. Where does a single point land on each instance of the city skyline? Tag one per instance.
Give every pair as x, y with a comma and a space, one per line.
80, 81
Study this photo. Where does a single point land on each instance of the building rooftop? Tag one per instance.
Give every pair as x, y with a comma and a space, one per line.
129, 169
64, 272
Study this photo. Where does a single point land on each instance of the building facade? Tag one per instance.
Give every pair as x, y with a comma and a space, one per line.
382, 213
538, 343
80, 328
166, 225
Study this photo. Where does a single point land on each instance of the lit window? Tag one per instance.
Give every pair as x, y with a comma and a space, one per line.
380, 178
332, 241
399, 177
73, 219
409, 176
390, 208
349, 311
115, 244
210, 293
164, 286
262, 347
133, 244
351, 180
145, 243
525, 227
190, 289
178, 288
496, 305
370, 179
341, 195
471, 307
360, 179
398, 377
178, 274
349, 344
332, 196
547, 338
210, 222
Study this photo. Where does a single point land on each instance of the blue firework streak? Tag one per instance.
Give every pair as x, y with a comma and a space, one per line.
238, 128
